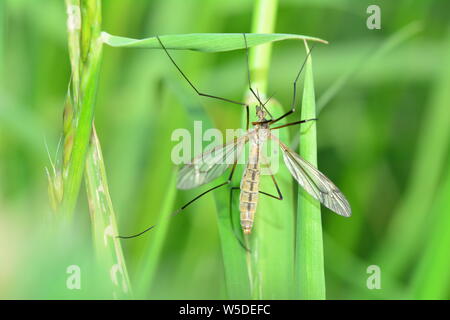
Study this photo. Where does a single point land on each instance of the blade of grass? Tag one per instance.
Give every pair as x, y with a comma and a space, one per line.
269, 266
350, 237
85, 55
234, 256
369, 59
405, 232
104, 224
206, 42
157, 189
155, 243
354, 274
24, 125
272, 238
2, 37
271, 260
309, 267
431, 280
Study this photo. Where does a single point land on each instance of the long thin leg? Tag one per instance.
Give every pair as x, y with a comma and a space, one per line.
280, 196
294, 95
192, 85
187, 204
293, 123
248, 117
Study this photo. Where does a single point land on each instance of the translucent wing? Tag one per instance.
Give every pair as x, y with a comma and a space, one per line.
210, 164
315, 182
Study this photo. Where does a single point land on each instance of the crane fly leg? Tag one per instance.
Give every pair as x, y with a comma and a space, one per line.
195, 88
293, 123
187, 204
294, 94
280, 196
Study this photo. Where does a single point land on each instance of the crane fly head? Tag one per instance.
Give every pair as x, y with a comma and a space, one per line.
261, 113
261, 110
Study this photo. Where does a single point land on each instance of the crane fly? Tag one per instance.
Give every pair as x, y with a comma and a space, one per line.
211, 164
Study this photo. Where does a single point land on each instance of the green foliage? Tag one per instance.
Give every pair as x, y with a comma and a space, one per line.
309, 265
382, 138
104, 225
205, 42
272, 262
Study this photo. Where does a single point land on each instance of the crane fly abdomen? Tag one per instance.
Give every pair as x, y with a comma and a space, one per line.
249, 197
250, 185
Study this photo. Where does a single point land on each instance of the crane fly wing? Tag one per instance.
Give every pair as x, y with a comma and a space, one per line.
315, 182
211, 164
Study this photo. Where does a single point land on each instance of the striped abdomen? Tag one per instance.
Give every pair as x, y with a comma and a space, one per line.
250, 190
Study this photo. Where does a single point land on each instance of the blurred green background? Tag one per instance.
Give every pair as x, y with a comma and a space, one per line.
383, 139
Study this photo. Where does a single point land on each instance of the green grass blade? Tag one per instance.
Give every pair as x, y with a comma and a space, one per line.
154, 244
234, 255
353, 274
309, 266
154, 196
271, 260
104, 224
405, 233
2, 37
431, 279
369, 59
272, 240
206, 42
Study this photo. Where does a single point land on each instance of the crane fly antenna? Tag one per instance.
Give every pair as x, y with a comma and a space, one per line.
264, 105
248, 72
269, 99
255, 94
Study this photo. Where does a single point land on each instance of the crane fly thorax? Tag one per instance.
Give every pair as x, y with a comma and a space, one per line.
260, 135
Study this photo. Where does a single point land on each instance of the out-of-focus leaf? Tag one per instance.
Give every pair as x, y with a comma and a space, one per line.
206, 42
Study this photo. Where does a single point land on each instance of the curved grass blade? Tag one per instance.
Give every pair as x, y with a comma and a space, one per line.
368, 60
272, 241
406, 233
154, 245
104, 224
309, 266
205, 42
432, 275
234, 255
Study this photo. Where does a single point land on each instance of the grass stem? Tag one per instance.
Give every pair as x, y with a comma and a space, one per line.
90, 54
309, 266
